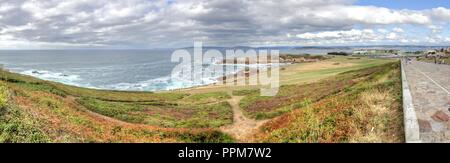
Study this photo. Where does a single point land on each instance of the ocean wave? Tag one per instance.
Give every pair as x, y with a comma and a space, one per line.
173, 81
55, 76
157, 84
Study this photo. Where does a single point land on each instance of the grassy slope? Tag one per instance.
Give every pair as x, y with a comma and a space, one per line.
195, 110
60, 113
15, 126
294, 95
304, 73
72, 114
367, 111
311, 72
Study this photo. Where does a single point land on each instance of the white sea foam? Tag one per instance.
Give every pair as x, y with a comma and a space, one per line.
157, 84
177, 81
55, 76
163, 83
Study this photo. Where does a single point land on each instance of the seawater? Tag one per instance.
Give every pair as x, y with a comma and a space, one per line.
133, 70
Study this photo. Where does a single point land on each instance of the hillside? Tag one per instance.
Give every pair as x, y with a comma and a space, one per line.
315, 101
40, 111
356, 106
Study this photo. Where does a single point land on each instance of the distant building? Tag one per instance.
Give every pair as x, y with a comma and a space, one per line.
361, 52
376, 52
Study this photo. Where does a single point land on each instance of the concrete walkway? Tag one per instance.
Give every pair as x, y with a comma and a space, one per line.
430, 85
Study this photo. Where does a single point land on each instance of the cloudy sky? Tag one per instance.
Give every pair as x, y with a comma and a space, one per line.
47, 24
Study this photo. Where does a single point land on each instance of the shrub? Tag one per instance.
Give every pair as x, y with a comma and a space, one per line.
245, 92
205, 137
3, 95
16, 127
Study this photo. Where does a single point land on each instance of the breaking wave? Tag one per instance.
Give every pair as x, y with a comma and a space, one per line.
55, 76
168, 82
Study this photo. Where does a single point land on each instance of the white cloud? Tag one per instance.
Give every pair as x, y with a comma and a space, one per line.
398, 30
391, 36
435, 29
163, 23
6, 7
342, 35
405, 41
440, 13
379, 15
72, 30
353, 36
381, 30
20, 28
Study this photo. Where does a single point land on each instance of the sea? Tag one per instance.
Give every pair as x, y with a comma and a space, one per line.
131, 70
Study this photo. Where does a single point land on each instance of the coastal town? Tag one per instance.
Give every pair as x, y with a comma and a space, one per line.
437, 55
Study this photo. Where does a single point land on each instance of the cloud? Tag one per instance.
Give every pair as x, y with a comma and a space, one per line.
391, 36
440, 13
435, 29
381, 30
6, 7
399, 30
160, 23
350, 36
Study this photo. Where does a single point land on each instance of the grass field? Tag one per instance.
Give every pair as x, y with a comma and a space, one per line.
34, 110
304, 72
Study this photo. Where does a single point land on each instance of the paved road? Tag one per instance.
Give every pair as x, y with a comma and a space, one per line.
430, 85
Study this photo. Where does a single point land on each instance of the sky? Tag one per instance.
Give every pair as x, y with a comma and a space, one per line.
84, 24
406, 4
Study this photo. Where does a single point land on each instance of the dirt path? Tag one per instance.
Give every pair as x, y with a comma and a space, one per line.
242, 127
71, 100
